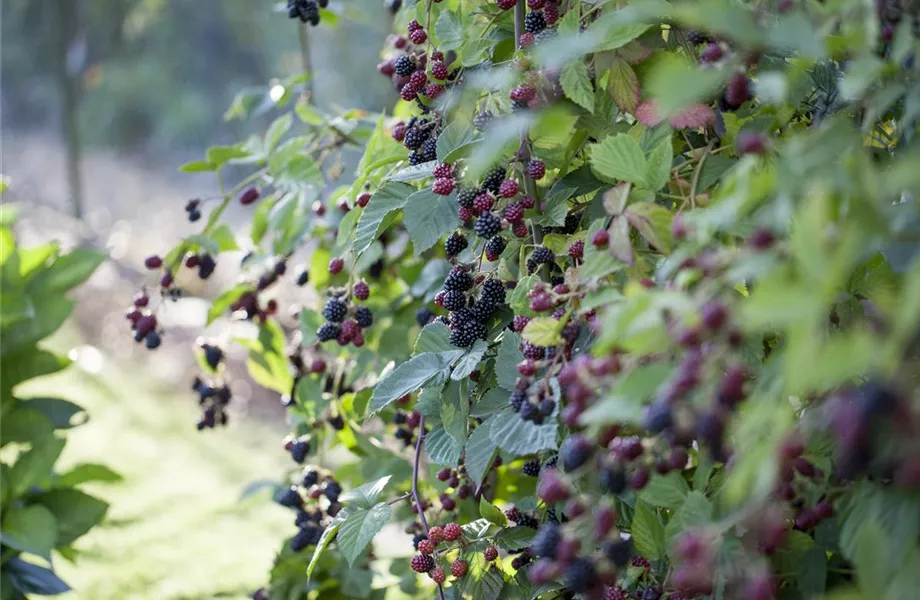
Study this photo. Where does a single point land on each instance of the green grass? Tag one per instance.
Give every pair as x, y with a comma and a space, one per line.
177, 526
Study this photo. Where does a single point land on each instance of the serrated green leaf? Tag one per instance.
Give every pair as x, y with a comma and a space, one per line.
454, 412
34, 466
653, 222
434, 337
389, 198
509, 355
359, 528
366, 495
490, 513
519, 437
442, 448
414, 172
623, 85
668, 491
31, 529
469, 362
659, 165
480, 452
544, 331
67, 271
515, 538
405, 379
328, 534
577, 85
449, 31
428, 218
674, 83
619, 158
647, 532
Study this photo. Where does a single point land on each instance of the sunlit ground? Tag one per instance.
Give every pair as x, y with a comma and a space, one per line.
177, 526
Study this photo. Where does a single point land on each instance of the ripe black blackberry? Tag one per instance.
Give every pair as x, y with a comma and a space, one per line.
487, 225
612, 480
482, 120
414, 138
466, 196
310, 477
698, 37
429, 150
493, 291
454, 300
299, 451
531, 468
619, 552
495, 246
530, 412
302, 539
580, 574
547, 539
455, 244
332, 490
458, 279
335, 310
327, 331
574, 452
415, 158
532, 266
482, 310
528, 521
542, 255
464, 334
534, 22
418, 537
422, 316
290, 498
493, 178
572, 221
364, 317
404, 65
303, 278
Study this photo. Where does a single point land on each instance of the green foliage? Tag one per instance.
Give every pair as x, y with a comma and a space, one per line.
42, 510
709, 319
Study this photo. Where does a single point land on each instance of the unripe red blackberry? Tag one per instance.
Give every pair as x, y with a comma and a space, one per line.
508, 188
443, 170
483, 202
422, 563
363, 199
514, 212
577, 250
387, 68
336, 265
153, 262
550, 14
458, 568
443, 186
439, 70
737, 92
166, 280
714, 315
751, 142
536, 4
536, 169
398, 133
426, 546
452, 532
526, 40
523, 93
600, 239
418, 36
436, 534
490, 553
506, 4
361, 290
519, 229
711, 53
418, 79
408, 93
438, 575
249, 196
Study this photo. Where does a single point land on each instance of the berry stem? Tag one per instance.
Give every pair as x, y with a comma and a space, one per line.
305, 60
524, 151
696, 173
415, 496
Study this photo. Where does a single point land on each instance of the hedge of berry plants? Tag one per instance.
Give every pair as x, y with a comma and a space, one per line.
621, 301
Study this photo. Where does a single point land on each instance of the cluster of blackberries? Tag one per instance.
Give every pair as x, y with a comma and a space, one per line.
340, 328
306, 10
143, 322
871, 428
426, 561
193, 209
305, 497
521, 519
213, 400
406, 423
468, 317
460, 481
202, 261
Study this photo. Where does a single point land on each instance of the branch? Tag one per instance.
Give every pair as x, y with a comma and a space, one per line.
530, 187
415, 497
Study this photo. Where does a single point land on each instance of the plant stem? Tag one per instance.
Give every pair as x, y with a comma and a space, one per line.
305, 60
524, 150
415, 496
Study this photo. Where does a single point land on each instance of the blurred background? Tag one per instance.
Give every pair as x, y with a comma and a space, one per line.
101, 101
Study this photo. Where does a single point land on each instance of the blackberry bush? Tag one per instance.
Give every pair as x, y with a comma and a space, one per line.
699, 300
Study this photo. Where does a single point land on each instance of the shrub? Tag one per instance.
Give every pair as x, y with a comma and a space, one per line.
620, 302
43, 509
